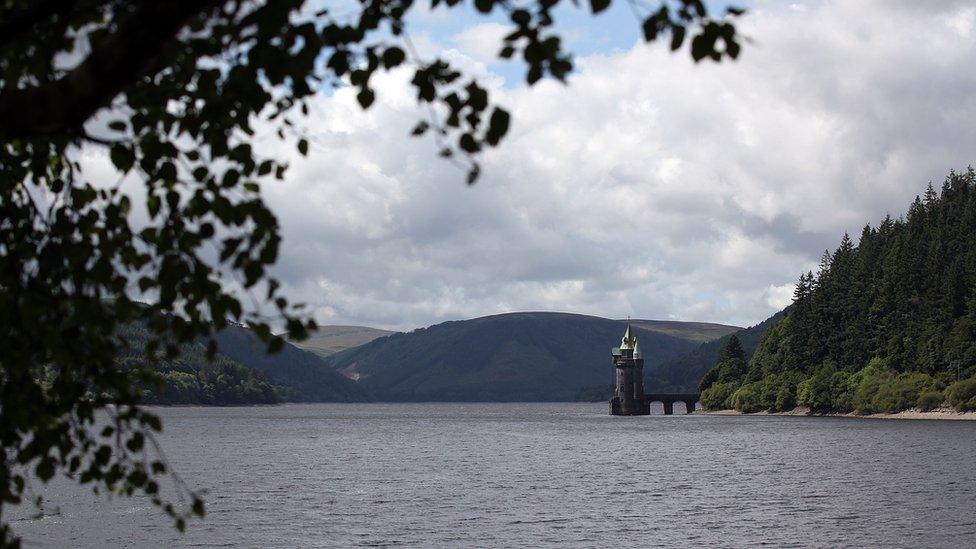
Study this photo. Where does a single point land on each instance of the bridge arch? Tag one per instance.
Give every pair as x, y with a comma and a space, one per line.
668, 399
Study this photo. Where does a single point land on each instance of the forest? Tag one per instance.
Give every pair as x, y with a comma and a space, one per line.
192, 378
884, 325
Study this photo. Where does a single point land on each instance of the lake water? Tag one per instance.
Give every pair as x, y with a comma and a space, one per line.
461, 475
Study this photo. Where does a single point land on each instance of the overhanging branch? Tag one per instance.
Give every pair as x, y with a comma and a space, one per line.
62, 106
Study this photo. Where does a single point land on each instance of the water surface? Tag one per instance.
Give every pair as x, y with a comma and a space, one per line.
458, 475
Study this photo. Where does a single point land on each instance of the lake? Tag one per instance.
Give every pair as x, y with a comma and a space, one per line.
459, 475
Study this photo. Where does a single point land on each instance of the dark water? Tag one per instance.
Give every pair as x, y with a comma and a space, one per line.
460, 475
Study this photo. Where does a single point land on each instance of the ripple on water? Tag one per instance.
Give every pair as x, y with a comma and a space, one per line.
541, 474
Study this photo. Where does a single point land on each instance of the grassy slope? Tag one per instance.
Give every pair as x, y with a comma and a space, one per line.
699, 332
329, 340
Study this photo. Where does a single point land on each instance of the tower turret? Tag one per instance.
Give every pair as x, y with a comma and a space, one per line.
628, 363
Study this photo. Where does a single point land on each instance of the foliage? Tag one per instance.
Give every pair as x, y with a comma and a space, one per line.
732, 350
718, 396
962, 395
173, 92
929, 400
193, 377
747, 398
697, 364
888, 320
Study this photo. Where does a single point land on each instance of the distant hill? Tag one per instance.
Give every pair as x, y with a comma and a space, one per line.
694, 331
307, 377
329, 340
509, 357
683, 373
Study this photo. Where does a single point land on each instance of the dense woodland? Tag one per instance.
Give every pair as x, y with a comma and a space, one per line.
192, 378
884, 325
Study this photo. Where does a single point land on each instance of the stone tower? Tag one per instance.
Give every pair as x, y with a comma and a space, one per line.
628, 364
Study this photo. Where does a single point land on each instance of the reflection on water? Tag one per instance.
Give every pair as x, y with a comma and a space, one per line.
541, 474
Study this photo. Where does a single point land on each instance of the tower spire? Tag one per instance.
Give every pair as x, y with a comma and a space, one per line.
629, 339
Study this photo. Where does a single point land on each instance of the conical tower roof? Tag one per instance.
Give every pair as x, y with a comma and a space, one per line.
637, 349
629, 339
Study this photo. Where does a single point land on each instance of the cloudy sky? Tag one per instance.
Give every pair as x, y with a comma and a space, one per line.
649, 186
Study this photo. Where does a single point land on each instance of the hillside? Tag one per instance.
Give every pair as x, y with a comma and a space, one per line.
682, 373
699, 332
308, 377
329, 340
192, 378
884, 325
509, 357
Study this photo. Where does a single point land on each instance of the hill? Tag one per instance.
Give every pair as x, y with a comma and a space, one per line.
699, 332
306, 376
241, 373
885, 325
508, 357
328, 340
682, 373
192, 378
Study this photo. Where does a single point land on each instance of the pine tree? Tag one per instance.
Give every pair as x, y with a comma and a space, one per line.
905, 294
733, 349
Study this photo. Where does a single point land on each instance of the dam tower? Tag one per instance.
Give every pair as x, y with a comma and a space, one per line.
628, 364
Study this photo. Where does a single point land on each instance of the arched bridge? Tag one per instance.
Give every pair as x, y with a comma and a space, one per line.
668, 400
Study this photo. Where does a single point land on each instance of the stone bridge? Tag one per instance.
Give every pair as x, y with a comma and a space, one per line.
668, 400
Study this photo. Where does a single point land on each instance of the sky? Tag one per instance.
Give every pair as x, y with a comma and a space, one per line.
649, 186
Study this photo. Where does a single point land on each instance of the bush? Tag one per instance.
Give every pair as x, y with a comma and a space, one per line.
962, 395
747, 399
929, 400
883, 391
785, 399
717, 396
826, 390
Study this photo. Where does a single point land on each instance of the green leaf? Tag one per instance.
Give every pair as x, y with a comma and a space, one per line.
599, 5
677, 36
392, 57
365, 97
276, 344
468, 143
122, 157
497, 126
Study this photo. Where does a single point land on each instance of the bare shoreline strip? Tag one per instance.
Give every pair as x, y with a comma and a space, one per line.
938, 413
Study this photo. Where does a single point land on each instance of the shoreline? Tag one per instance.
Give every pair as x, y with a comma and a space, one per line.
947, 414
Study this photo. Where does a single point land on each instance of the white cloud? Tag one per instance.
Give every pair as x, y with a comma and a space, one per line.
649, 186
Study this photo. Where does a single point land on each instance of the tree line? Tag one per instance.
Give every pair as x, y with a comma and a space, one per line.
884, 325
193, 377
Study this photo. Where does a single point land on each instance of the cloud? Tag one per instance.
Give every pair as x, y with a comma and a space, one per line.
649, 186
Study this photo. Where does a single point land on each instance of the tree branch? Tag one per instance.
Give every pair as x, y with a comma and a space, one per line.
21, 20
64, 105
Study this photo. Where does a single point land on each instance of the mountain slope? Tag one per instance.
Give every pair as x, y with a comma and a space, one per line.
699, 332
509, 357
308, 377
886, 323
683, 373
329, 340
192, 378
